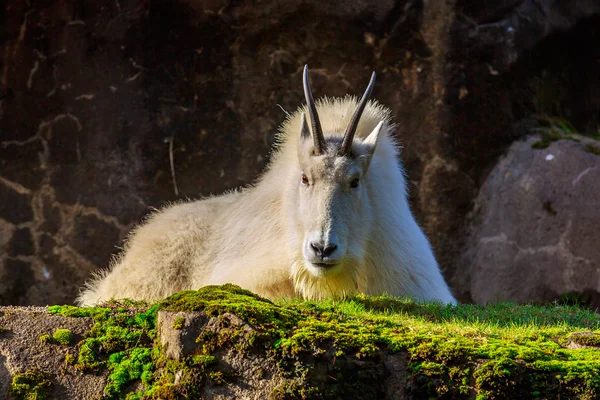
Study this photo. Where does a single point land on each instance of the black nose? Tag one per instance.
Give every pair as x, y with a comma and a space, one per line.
323, 252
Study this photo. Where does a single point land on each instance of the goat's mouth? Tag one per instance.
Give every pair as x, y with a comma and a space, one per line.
322, 268
325, 265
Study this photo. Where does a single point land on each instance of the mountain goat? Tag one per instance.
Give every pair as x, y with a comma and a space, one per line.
328, 218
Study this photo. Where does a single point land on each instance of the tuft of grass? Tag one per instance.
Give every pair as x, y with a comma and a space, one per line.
562, 129
558, 124
30, 385
552, 136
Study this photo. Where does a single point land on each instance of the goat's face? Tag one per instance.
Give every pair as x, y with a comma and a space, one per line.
333, 211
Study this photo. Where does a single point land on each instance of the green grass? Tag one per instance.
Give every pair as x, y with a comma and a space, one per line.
560, 128
551, 136
497, 351
444, 341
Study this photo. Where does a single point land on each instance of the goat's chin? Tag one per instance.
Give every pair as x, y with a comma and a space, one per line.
313, 282
320, 271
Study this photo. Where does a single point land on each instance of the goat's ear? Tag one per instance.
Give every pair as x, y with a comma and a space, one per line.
370, 141
369, 144
305, 138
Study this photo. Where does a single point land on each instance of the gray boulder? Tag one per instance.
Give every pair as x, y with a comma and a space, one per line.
534, 229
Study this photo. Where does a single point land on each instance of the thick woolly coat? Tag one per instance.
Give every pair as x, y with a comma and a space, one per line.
247, 237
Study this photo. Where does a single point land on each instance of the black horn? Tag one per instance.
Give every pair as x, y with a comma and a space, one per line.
351, 130
317, 131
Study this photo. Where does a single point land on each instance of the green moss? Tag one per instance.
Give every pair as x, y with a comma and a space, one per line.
216, 377
216, 300
592, 149
177, 379
497, 378
30, 385
46, 338
120, 340
496, 351
124, 304
203, 360
62, 336
69, 359
293, 390
178, 323
127, 366
78, 312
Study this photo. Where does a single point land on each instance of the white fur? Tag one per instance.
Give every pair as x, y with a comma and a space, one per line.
254, 237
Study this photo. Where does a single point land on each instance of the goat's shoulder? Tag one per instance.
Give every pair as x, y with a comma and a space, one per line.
184, 218
185, 209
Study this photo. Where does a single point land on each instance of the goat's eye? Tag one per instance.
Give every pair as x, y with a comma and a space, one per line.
304, 180
354, 183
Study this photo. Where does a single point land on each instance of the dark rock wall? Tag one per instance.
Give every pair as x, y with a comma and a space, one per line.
505, 63
108, 109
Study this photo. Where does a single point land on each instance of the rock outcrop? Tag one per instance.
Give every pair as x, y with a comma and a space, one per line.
535, 223
224, 342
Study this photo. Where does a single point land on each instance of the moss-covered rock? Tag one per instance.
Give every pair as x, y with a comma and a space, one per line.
363, 347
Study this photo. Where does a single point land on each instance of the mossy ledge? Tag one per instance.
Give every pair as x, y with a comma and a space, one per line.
362, 347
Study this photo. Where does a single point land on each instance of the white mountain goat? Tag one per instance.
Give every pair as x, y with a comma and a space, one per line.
328, 218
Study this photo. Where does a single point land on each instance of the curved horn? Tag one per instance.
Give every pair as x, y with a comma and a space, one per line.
317, 132
351, 130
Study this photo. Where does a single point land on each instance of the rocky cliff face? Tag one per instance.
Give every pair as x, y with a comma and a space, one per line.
109, 109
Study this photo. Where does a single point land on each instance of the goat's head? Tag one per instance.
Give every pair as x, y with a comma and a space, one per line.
333, 208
